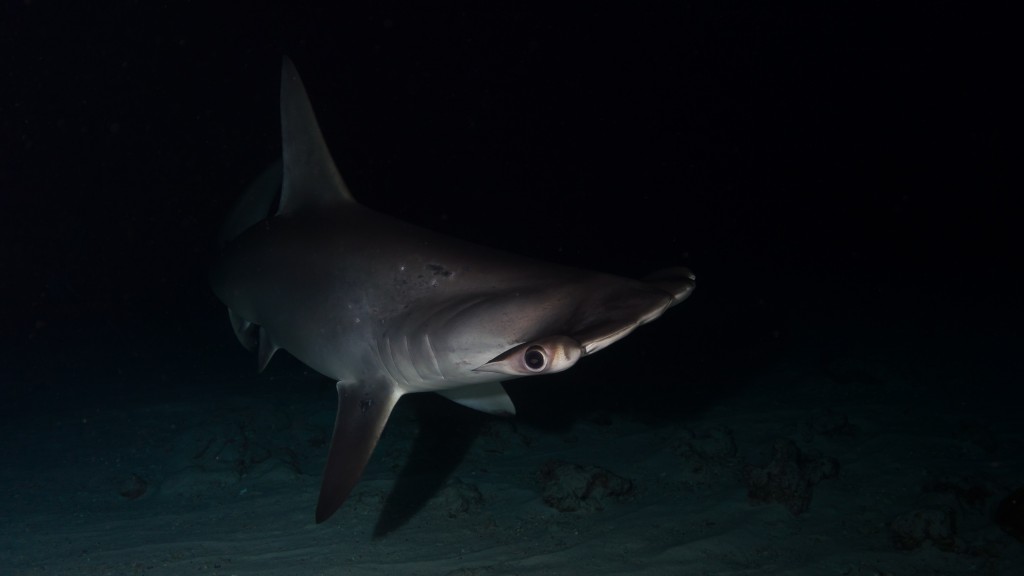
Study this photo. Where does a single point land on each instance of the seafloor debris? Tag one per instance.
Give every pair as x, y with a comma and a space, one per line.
913, 529
133, 487
461, 498
716, 444
710, 457
573, 487
789, 478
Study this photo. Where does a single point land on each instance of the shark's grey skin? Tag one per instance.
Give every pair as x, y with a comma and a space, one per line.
387, 308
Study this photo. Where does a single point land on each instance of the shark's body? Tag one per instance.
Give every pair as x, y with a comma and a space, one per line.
387, 308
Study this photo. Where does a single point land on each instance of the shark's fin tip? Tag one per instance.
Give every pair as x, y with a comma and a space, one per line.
267, 348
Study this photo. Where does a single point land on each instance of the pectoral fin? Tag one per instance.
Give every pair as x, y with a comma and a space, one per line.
267, 349
490, 398
363, 410
248, 334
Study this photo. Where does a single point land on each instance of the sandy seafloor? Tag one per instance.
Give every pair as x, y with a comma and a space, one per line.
900, 445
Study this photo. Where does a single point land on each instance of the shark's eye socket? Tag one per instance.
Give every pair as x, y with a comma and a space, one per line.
541, 356
534, 358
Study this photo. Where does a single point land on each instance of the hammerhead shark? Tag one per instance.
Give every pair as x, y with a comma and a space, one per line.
386, 308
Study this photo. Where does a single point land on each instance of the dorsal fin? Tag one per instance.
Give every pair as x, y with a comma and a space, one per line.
311, 180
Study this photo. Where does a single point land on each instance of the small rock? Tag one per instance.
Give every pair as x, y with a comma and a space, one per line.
789, 478
912, 529
573, 487
970, 492
713, 445
502, 435
134, 487
460, 498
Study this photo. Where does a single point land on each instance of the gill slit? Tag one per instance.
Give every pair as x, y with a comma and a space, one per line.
433, 356
387, 359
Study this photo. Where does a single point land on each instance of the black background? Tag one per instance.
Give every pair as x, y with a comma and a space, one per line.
811, 162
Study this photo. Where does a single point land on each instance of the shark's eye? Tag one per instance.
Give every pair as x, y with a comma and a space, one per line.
534, 358
541, 356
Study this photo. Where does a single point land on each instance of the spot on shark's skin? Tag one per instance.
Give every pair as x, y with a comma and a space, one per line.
438, 270
418, 312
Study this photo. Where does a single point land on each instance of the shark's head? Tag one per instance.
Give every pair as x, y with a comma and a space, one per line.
524, 331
